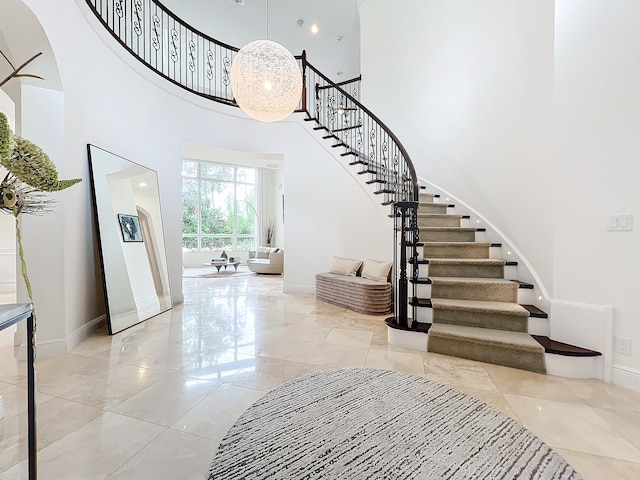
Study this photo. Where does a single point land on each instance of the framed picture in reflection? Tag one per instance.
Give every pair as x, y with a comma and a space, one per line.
130, 227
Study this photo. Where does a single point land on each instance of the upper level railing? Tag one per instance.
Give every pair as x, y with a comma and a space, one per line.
201, 64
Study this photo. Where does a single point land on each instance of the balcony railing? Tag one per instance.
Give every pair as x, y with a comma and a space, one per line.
201, 64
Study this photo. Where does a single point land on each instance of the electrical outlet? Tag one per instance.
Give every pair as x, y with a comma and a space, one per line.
623, 345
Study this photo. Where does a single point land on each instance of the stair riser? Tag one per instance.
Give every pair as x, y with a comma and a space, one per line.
496, 321
524, 295
453, 221
487, 292
511, 272
449, 236
539, 326
428, 198
456, 251
485, 353
437, 208
535, 325
467, 271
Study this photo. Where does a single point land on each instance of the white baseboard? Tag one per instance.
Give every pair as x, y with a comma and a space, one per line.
85, 331
298, 289
7, 287
407, 339
574, 367
53, 348
626, 377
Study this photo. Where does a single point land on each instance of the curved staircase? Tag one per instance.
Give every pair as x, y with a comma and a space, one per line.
451, 281
463, 299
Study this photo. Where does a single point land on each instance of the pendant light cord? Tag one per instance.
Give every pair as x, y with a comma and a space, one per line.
267, 19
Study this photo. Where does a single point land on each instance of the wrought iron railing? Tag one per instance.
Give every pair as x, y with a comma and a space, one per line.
169, 46
201, 64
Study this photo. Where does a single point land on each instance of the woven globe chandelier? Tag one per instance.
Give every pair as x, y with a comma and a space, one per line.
266, 81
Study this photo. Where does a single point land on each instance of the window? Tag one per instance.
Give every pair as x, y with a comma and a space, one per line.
218, 207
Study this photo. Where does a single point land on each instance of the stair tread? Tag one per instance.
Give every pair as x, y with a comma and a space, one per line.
560, 348
480, 306
472, 280
535, 311
458, 244
449, 229
465, 261
438, 215
498, 338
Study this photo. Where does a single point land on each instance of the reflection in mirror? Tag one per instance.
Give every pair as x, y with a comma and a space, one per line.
132, 250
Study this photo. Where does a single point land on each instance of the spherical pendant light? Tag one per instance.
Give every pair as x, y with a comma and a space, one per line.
266, 81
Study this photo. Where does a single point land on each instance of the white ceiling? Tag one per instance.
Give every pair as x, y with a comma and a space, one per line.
237, 25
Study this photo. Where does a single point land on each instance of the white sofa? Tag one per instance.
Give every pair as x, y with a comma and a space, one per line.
266, 260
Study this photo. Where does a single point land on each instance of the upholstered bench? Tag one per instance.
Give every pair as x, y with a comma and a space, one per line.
362, 288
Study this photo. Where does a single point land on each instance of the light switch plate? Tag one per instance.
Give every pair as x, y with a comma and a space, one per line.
620, 222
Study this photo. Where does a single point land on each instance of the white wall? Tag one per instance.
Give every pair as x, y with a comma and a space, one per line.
597, 101
527, 111
112, 101
7, 222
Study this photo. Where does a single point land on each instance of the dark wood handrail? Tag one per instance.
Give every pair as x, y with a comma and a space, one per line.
387, 130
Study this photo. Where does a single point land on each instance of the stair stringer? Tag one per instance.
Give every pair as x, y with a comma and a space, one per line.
493, 234
360, 180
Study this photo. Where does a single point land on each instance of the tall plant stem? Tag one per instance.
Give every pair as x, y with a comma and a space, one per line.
25, 274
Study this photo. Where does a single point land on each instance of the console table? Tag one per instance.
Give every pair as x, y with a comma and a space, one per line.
10, 315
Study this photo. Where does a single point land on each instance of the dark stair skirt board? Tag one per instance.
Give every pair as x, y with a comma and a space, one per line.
550, 346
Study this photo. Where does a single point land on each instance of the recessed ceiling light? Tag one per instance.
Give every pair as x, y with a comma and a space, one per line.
300, 22
339, 72
338, 39
314, 28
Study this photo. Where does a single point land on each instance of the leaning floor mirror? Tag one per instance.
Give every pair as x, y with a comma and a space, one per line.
130, 236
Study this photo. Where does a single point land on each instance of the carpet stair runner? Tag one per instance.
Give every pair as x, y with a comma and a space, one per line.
475, 313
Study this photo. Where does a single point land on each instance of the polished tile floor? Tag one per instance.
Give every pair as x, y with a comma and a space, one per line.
154, 401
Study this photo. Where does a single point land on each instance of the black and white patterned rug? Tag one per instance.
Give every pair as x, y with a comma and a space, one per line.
377, 424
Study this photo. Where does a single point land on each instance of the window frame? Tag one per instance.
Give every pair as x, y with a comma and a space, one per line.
235, 236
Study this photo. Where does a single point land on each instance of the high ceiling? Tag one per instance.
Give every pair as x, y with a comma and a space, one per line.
335, 48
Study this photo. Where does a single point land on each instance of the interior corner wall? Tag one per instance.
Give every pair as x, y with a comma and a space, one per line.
43, 237
7, 222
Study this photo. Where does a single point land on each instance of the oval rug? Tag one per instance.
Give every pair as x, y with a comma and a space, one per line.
364, 423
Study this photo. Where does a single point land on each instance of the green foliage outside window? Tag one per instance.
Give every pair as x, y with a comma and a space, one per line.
218, 207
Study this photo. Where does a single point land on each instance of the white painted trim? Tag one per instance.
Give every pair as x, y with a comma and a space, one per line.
53, 348
298, 289
573, 367
7, 287
585, 306
626, 377
607, 331
407, 339
85, 331
7, 252
177, 299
